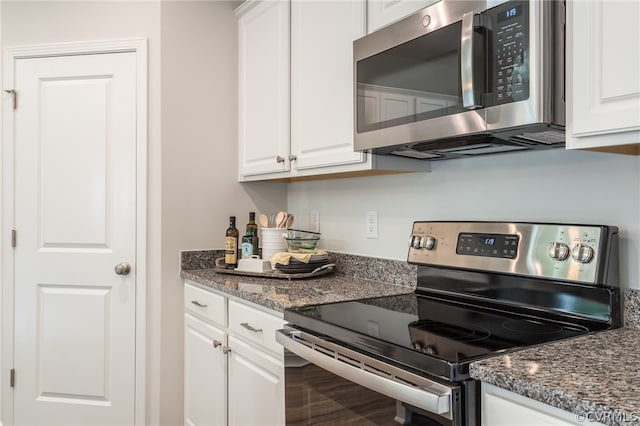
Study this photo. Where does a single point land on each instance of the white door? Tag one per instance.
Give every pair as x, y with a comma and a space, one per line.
75, 209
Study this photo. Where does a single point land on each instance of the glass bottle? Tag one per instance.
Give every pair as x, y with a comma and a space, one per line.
231, 244
252, 231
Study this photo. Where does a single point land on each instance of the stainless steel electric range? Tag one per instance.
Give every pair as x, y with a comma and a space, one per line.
483, 288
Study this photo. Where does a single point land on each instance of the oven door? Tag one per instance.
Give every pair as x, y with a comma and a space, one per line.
331, 384
421, 78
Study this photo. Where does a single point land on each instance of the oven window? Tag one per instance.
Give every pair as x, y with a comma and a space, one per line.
315, 396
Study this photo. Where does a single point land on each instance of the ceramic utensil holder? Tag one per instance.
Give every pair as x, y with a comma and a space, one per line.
272, 241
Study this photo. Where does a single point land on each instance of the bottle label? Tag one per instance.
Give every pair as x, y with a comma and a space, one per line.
247, 246
231, 251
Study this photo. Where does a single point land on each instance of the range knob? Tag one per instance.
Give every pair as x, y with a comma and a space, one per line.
429, 242
558, 251
418, 241
582, 253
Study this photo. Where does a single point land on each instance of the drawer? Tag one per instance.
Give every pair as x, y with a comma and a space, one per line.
205, 303
255, 325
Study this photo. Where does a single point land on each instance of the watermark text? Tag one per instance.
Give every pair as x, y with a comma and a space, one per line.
609, 418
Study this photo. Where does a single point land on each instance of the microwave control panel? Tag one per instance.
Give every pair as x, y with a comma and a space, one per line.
510, 45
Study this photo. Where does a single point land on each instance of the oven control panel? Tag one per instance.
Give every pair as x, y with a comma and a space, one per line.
559, 251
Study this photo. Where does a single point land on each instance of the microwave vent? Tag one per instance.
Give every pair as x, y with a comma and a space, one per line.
548, 137
411, 153
452, 144
489, 149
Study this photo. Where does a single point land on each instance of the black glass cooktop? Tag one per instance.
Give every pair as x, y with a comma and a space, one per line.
427, 333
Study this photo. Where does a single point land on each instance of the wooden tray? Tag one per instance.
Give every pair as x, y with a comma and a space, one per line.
329, 268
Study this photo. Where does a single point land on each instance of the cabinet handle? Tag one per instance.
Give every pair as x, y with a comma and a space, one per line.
250, 328
279, 159
217, 343
226, 349
200, 305
292, 157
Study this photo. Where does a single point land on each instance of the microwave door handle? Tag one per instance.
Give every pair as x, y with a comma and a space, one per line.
466, 62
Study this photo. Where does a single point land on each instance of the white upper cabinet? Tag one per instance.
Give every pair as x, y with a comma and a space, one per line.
603, 75
263, 61
383, 12
296, 91
322, 35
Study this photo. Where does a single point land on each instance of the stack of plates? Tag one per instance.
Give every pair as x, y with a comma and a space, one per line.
298, 267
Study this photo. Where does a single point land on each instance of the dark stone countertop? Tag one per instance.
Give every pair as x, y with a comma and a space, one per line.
279, 294
596, 377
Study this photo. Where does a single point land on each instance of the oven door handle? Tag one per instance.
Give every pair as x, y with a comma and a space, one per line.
368, 372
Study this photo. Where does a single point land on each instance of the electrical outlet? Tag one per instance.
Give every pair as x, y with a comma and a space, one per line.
314, 221
372, 224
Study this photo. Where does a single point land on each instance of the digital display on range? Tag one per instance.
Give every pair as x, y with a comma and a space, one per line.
488, 245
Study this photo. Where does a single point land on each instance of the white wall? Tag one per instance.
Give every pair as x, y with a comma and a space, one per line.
552, 186
199, 168
192, 128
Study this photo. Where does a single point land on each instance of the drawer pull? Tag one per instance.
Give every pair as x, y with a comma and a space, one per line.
226, 349
250, 328
198, 304
217, 343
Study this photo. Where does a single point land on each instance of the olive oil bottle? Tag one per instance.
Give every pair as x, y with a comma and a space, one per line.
231, 244
252, 231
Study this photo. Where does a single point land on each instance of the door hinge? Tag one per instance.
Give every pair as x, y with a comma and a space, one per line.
12, 380
14, 237
14, 94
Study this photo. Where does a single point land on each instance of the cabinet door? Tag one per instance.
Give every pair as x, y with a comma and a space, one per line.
602, 73
256, 386
503, 408
383, 12
263, 49
322, 94
205, 375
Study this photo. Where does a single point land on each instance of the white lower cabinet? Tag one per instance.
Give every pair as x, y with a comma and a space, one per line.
205, 375
501, 407
234, 368
256, 386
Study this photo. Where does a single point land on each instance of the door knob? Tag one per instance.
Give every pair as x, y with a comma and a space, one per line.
123, 268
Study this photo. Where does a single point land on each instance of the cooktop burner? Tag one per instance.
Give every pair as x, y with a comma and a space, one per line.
529, 326
455, 332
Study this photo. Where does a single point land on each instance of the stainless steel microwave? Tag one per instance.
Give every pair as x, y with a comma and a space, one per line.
462, 78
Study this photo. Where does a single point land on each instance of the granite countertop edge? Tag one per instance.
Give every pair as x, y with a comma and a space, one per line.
280, 294
592, 376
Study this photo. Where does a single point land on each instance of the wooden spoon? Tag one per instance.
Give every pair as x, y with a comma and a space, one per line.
263, 220
280, 218
289, 223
